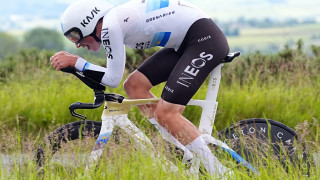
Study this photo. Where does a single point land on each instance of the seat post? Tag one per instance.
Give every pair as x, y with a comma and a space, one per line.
214, 82
210, 104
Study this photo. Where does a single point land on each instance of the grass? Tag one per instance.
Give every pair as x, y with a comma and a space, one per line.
35, 99
126, 161
236, 102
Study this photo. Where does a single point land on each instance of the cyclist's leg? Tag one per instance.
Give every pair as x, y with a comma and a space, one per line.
170, 116
137, 86
203, 48
153, 71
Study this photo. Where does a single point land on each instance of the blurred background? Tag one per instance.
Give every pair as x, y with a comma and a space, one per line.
276, 77
264, 25
277, 72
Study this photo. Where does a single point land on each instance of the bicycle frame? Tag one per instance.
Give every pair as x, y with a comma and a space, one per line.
209, 105
116, 114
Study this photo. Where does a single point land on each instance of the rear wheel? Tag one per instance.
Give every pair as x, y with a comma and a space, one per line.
256, 138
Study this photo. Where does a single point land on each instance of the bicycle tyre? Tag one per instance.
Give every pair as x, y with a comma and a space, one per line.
282, 139
68, 132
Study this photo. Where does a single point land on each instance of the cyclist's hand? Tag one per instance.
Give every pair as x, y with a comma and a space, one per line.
63, 59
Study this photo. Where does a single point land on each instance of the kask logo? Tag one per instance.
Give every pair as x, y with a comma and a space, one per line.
88, 18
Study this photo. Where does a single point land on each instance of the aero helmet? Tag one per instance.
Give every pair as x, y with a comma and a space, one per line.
80, 19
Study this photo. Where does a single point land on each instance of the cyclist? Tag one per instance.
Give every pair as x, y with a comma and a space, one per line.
193, 45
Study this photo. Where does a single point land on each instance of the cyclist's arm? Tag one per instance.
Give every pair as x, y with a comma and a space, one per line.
112, 41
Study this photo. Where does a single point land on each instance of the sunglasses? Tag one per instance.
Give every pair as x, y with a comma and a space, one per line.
75, 37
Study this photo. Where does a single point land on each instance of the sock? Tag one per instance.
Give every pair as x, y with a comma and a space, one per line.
209, 161
168, 137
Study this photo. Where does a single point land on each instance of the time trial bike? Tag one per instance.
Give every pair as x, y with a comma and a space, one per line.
236, 140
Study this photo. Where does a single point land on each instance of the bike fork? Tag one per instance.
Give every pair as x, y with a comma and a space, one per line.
129, 128
108, 124
104, 136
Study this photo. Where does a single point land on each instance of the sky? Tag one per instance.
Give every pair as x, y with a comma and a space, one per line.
26, 14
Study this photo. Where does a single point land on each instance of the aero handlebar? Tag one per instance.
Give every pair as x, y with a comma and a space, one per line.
99, 94
85, 79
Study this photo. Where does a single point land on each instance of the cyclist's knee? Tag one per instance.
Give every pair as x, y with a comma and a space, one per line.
129, 83
135, 82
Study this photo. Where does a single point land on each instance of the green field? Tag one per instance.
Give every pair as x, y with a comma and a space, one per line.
35, 98
272, 39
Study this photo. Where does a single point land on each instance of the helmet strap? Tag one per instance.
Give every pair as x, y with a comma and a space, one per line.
94, 35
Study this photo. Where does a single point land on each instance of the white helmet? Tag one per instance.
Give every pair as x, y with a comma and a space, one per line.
80, 19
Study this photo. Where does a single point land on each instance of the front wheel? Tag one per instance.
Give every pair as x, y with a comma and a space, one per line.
75, 135
257, 138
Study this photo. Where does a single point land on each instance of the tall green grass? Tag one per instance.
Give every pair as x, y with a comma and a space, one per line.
125, 161
34, 100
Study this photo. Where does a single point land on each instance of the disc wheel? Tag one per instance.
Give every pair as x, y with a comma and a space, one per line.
256, 138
